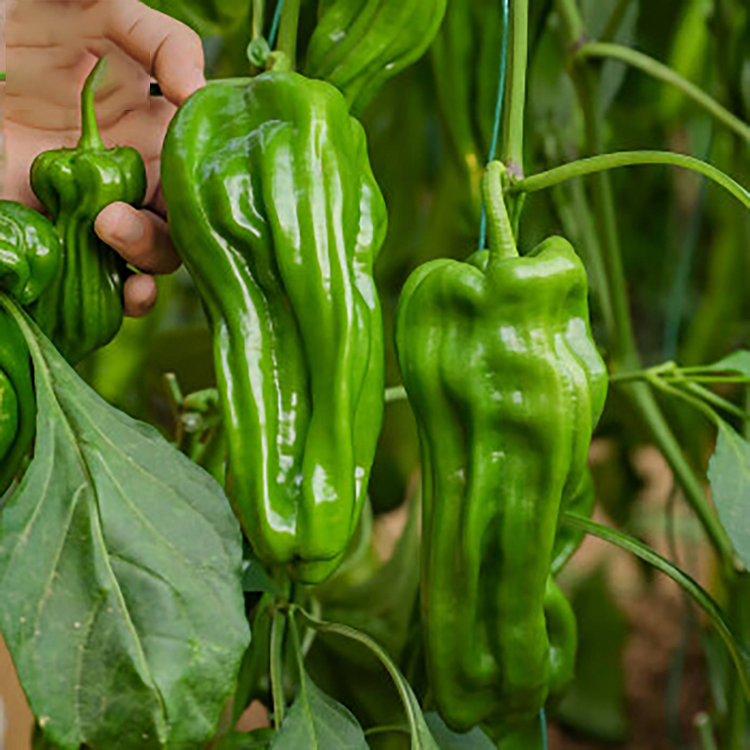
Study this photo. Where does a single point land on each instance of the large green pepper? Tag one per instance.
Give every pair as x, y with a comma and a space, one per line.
83, 309
29, 260
359, 44
507, 385
274, 209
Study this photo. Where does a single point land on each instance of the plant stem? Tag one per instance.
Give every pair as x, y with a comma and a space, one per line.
643, 399
705, 731
689, 585
623, 345
277, 668
604, 162
259, 17
667, 75
90, 138
519, 60
288, 30
615, 21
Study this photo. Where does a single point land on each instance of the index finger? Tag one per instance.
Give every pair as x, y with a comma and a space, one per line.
170, 51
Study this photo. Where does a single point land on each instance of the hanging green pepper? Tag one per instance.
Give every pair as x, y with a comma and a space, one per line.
568, 540
82, 311
359, 44
29, 260
274, 209
507, 385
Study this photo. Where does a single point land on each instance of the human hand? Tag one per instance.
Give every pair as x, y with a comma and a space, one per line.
51, 46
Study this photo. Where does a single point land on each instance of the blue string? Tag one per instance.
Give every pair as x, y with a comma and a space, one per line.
543, 722
498, 110
275, 25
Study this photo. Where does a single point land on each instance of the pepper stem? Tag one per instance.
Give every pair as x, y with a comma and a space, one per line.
90, 138
502, 243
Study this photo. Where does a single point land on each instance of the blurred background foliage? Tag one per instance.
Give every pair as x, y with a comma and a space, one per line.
686, 247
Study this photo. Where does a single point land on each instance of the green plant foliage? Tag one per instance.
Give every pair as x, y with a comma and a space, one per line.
317, 722
729, 474
116, 554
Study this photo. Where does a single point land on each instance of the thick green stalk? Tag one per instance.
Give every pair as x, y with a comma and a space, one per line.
519, 60
622, 338
667, 75
288, 31
615, 21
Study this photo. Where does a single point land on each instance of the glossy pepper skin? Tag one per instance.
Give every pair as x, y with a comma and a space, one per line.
507, 385
83, 309
275, 211
30, 253
359, 44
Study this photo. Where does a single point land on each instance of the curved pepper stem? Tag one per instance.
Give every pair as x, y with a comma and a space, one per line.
502, 243
90, 138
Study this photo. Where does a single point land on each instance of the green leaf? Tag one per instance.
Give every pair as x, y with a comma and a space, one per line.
120, 564
595, 704
260, 739
738, 362
255, 579
729, 475
735, 646
447, 739
317, 722
421, 739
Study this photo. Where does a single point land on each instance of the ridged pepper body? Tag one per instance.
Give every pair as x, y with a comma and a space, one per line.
30, 253
83, 309
274, 209
507, 385
359, 44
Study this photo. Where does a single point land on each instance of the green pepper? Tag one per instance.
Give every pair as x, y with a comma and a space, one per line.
507, 385
83, 309
359, 44
274, 209
568, 540
29, 260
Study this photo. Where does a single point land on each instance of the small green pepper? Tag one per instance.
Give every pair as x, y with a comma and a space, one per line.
359, 44
83, 309
30, 253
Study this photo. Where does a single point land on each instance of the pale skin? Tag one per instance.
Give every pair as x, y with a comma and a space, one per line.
51, 46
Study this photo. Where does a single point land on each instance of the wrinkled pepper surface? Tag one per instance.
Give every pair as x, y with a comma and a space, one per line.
83, 309
507, 385
359, 44
30, 253
275, 211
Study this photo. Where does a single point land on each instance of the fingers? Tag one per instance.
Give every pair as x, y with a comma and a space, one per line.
166, 48
141, 237
140, 295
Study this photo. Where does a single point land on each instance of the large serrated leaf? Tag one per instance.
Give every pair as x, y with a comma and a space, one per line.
120, 576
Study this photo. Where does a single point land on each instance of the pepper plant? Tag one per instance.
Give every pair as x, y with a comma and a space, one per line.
356, 194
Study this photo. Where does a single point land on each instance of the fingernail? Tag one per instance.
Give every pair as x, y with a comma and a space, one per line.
129, 229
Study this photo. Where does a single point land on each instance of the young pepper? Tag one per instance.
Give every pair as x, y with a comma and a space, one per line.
82, 310
275, 211
359, 44
507, 385
30, 253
